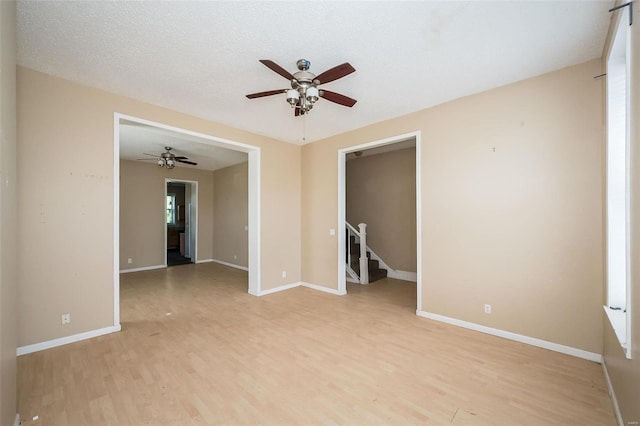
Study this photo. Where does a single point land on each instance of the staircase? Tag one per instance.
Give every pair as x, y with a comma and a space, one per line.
359, 257
375, 272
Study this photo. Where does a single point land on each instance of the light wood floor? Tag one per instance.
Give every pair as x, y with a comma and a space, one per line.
301, 356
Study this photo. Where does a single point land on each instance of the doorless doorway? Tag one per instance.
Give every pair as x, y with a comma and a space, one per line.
181, 227
253, 228
342, 238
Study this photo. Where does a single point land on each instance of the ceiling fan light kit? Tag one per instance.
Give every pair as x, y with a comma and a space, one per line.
304, 90
168, 163
168, 159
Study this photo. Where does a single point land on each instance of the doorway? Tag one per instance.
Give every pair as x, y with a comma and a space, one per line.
253, 228
181, 228
342, 238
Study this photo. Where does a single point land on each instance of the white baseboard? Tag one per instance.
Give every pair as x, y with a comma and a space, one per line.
144, 268
301, 284
612, 394
322, 288
279, 288
402, 275
351, 280
221, 262
23, 350
17, 421
591, 356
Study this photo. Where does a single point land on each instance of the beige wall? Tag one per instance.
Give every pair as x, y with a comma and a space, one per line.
230, 204
66, 248
518, 227
625, 373
8, 217
381, 192
142, 212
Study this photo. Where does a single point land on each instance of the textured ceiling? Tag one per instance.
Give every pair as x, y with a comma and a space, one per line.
138, 140
201, 58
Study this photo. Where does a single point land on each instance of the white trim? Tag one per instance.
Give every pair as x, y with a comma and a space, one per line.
302, 284
213, 140
324, 289
619, 69
254, 221
342, 221
221, 262
419, 220
279, 288
618, 321
342, 281
351, 280
591, 356
382, 263
17, 421
351, 274
254, 155
402, 275
612, 394
143, 268
116, 221
23, 350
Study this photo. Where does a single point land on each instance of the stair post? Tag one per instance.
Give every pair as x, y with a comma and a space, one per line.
364, 260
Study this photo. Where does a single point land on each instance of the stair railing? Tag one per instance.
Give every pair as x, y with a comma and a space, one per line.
361, 238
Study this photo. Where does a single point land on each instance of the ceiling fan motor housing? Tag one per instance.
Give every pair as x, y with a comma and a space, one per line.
304, 78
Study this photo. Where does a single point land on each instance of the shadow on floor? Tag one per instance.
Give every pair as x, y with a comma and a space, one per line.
175, 258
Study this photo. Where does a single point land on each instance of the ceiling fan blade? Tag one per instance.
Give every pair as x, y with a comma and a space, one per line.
187, 162
181, 158
276, 68
335, 73
337, 98
267, 93
146, 159
151, 155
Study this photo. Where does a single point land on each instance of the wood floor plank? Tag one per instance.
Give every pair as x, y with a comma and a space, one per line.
196, 349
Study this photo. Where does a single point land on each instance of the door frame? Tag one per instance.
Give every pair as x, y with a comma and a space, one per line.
342, 207
194, 188
254, 154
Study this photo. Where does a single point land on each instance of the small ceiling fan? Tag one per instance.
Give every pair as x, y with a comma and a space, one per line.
304, 90
167, 159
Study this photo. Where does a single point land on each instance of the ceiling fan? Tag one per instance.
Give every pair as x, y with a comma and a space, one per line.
304, 90
167, 159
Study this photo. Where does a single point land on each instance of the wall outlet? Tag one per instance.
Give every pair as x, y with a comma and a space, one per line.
65, 319
332, 231
235, 257
487, 309
284, 274
129, 260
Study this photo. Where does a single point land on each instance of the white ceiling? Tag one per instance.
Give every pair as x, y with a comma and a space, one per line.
137, 140
201, 58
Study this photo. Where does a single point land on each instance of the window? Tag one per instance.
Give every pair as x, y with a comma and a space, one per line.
617, 171
171, 209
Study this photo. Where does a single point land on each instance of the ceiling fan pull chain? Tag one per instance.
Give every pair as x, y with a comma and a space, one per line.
304, 127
